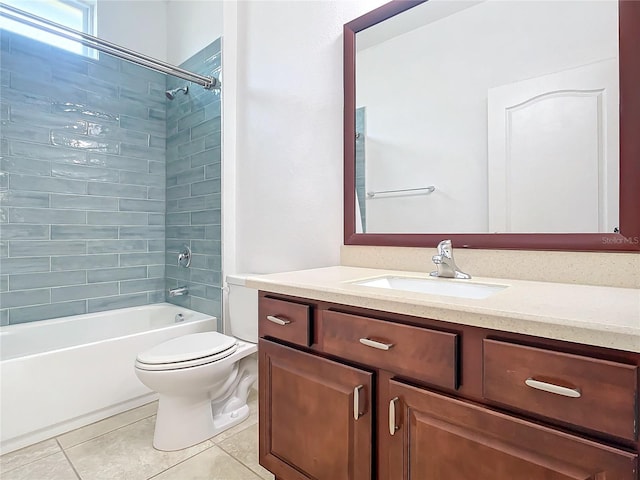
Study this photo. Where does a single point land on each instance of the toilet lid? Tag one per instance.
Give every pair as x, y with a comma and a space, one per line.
175, 366
188, 347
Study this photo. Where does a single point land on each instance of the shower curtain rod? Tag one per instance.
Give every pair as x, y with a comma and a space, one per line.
209, 83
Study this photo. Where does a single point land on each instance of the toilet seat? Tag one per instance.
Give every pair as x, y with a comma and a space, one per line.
187, 351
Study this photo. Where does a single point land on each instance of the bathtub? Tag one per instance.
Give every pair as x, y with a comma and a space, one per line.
61, 374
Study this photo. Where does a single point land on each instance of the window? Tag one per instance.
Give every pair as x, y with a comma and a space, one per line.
76, 14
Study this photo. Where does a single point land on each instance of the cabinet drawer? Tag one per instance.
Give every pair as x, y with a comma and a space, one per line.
596, 394
415, 352
287, 321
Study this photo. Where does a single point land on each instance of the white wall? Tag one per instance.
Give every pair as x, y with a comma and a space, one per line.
426, 98
191, 26
289, 133
288, 127
169, 30
140, 25
229, 134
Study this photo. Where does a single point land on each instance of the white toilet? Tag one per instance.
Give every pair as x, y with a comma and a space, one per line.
203, 379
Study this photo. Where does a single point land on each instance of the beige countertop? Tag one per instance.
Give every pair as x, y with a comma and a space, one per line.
601, 316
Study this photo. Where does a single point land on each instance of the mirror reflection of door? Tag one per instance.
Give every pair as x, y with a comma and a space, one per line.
425, 75
544, 131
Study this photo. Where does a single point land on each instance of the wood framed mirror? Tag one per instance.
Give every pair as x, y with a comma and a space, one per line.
620, 234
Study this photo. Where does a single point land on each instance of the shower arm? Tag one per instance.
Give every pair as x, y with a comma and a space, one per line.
209, 83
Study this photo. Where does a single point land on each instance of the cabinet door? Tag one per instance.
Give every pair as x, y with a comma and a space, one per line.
315, 416
440, 438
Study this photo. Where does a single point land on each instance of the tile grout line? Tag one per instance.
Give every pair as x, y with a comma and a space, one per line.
2, 470
73, 467
246, 467
237, 459
102, 434
62, 449
184, 460
249, 425
213, 444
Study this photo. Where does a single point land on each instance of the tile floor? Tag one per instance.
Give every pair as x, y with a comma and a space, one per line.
119, 448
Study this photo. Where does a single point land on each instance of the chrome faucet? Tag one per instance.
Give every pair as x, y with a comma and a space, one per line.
177, 292
447, 267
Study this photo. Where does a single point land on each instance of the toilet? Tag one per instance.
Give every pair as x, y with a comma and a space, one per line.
203, 379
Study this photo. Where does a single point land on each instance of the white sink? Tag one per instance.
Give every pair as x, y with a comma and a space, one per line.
434, 286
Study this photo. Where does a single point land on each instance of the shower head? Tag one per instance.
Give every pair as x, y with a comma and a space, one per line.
171, 94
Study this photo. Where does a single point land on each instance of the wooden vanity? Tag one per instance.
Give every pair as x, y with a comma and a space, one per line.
538, 382
351, 393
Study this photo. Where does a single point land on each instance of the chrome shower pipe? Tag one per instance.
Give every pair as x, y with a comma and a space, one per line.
26, 18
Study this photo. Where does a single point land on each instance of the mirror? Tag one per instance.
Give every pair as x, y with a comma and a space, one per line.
512, 140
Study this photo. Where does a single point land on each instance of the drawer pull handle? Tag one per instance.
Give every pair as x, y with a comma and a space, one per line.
550, 387
392, 416
356, 402
372, 343
277, 320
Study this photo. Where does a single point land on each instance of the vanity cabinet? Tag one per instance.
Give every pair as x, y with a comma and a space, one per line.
315, 416
370, 395
435, 437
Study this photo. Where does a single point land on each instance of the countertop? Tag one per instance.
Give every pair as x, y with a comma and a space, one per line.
601, 316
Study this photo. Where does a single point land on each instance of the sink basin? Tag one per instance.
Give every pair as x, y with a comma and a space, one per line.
434, 286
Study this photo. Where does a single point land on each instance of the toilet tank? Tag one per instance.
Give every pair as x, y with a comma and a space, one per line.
243, 309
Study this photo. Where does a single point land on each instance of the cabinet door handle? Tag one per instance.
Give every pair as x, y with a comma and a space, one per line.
356, 402
277, 320
550, 387
392, 416
372, 343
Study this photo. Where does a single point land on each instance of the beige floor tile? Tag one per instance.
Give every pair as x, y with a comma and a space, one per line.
28, 454
126, 453
53, 467
212, 464
107, 425
253, 395
244, 447
252, 420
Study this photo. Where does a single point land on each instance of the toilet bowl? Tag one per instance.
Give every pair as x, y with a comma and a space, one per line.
203, 379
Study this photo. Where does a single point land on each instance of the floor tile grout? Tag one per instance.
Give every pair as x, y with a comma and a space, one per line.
63, 449
232, 435
208, 448
181, 461
102, 434
212, 443
73, 467
243, 464
56, 437
3, 470
233, 456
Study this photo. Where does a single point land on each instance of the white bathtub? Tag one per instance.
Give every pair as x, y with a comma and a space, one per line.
61, 374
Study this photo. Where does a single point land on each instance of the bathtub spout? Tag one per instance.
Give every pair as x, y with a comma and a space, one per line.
177, 292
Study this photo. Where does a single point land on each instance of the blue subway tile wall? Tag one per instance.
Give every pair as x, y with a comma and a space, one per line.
82, 182
193, 187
